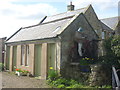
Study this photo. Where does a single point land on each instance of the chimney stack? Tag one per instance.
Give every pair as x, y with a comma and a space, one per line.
70, 7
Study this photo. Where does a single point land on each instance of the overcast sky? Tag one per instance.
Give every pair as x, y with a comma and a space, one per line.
15, 14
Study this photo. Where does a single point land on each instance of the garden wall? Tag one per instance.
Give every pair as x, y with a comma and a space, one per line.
98, 75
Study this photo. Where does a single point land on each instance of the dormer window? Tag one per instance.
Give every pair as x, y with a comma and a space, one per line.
80, 29
57, 29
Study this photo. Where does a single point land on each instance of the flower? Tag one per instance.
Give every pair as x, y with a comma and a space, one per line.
17, 69
51, 67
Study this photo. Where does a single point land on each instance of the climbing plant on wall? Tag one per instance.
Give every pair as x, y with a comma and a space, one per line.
116, 45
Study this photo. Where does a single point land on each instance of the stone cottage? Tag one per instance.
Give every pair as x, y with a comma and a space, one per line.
55, 41
2, 49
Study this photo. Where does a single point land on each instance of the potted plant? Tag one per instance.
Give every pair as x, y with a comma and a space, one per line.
18, 72
25, 73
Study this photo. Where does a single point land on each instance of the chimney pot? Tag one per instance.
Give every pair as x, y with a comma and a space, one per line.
70, 7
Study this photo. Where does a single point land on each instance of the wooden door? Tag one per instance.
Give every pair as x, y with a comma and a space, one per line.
14, 57
38, 60
51, 55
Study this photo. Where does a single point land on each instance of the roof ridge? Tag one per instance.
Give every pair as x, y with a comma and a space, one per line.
110, 17
68, 11
47, 22
57, 19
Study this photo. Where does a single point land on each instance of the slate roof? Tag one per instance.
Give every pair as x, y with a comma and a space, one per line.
105, 27
47, 29
64, 15
39, 32
111, 22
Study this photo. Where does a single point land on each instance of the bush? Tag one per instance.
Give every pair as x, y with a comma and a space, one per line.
61, 86
110, 58
1, 67
57, 81
52, 74
116, 45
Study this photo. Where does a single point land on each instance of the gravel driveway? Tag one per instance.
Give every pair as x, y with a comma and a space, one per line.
10, 80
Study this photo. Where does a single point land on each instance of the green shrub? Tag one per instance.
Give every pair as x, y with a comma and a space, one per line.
109, 58
106, 86
75, 86
116, 45
61, 86
52, 74
57, 81
72, 82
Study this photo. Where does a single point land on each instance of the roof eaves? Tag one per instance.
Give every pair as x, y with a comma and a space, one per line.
111, 18
105, 25
31, 40
110, 27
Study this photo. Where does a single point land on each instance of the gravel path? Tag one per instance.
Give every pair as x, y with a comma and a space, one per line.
10, 80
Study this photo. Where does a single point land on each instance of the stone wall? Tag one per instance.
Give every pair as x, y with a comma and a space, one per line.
68, 37
2, 47
72, 71
93, 20
99, 75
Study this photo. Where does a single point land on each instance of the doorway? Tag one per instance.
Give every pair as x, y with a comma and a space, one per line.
51, 55
38, 60
14, 57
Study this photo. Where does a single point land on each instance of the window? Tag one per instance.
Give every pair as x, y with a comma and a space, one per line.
27, 55
57, 29
24, 55
80, 29
80, 49
103, 37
